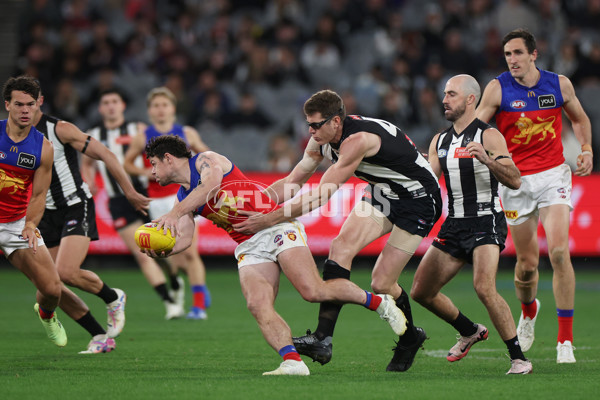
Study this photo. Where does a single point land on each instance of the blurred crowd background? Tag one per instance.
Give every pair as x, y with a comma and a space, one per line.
241, 69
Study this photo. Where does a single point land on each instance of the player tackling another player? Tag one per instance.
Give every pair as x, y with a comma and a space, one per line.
212, 186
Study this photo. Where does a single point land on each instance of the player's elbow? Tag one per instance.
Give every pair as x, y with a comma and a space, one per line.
514, 183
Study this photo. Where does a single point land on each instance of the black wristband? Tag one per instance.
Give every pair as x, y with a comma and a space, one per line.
500, 158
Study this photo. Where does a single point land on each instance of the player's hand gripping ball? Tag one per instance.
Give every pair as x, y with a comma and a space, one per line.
147, 237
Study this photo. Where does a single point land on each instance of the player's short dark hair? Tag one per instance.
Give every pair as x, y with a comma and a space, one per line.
524, 34
113, 90
174, 145
326, 102
22, 83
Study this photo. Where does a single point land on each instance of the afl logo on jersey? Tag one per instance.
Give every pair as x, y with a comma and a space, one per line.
26, 160
2, 155
442, 153
518, 104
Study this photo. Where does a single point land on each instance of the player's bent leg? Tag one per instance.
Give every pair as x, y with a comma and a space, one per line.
42, 272
68, 257
260, 284
364, 225
485, 267
435, 270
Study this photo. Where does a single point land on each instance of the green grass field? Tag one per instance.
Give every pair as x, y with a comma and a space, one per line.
224, 357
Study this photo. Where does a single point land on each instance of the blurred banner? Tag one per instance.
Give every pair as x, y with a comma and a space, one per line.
323, 225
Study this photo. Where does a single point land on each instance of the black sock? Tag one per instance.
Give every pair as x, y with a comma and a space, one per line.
163, 292
514, 349
107, 294
174, 282
329, 312
464, 325
403, 303
89, 323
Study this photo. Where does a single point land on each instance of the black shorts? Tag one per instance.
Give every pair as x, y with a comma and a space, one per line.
78, 219
123, 213
414, 215
460, 236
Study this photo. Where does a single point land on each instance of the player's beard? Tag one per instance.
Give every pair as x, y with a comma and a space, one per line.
456, 113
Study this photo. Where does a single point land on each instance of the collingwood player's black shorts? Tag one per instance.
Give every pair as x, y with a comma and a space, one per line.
414, 215
123, 213
78, 219
460, 236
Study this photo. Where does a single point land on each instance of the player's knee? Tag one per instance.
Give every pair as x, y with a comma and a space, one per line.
51, 290
257, 306
417, 293
342, 249
312, 294
485, 292
68, 275
559, 256
527, 264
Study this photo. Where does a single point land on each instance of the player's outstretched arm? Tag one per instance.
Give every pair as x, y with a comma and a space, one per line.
352, 151
69, 133
286, 188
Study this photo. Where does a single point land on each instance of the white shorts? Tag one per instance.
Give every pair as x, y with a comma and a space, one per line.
161, 206
266, 245
539, 190
11, 239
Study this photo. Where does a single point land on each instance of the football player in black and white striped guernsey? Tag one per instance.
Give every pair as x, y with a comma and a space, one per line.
69, 221
116, 133
402, 198
473, 158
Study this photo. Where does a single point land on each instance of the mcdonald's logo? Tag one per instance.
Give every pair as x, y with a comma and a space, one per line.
531, 93
14, 149
144, 240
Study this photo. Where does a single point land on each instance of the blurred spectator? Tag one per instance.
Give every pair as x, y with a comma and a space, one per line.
247, 115
65, 102
103, 52
566, 61
369, 89
396, 108
588, 70
455, 57
512, 14
478, 24
174, 82
282, 156
207, 84
429, 116
210, 116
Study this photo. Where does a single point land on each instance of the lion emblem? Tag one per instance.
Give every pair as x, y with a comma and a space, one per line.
528, 129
